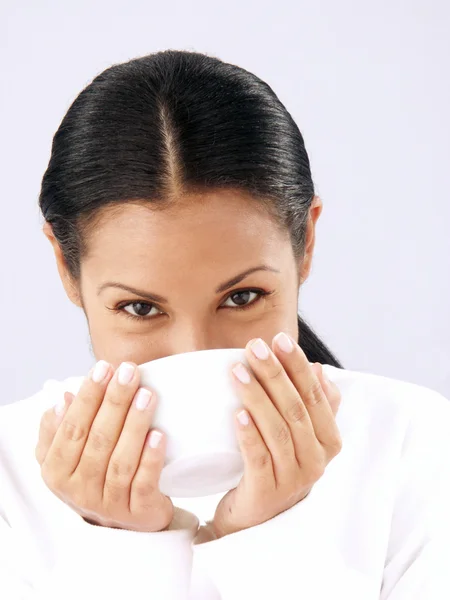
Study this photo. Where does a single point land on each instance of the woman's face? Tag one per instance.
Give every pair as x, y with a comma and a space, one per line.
179, 265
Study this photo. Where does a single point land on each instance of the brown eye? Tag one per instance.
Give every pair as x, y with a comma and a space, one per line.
242, 298
140, 309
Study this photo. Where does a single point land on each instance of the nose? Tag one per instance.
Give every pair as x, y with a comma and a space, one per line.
193, 338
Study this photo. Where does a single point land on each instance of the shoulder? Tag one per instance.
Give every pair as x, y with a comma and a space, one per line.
393, 408
388, 393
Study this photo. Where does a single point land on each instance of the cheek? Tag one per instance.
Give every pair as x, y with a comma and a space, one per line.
283, 318
267, 328
112, 341
115, 350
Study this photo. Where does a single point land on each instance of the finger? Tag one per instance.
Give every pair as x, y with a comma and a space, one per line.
271, 425
333, 395
145, 493
70, 438
126, 455
275, 381
289, 404
259, 471
331, 390
310, 389
49, 424
108, 423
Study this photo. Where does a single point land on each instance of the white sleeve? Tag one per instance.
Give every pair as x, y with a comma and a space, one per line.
281, 558
99, 562
14, 583
418, 556
284, 558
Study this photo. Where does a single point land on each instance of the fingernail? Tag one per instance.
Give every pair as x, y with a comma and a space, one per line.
100, 371
243, 417
142, 398
283, 342
241, 373
259, 349
59, 407
126, 372
154, 439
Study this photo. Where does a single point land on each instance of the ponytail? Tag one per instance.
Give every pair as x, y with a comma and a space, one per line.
313, 347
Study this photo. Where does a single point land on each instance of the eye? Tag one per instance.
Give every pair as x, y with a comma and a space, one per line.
241, 298
142, 310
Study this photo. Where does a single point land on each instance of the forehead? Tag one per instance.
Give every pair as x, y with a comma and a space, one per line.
214, 228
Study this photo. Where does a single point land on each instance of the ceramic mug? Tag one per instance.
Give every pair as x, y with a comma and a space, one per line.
196, 402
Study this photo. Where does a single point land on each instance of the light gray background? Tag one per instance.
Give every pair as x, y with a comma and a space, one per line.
367, 83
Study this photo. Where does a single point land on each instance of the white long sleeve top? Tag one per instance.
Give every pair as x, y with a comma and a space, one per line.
376, 526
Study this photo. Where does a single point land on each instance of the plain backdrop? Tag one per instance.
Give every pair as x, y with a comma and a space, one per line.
368, 85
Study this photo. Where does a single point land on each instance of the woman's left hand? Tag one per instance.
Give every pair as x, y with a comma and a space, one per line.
290, 437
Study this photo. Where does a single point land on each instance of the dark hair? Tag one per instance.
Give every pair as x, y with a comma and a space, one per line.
173, 123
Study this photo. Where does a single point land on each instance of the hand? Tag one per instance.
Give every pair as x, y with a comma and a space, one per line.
96, 456
290, 438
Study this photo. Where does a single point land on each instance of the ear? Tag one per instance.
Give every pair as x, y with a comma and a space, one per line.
69, 285
315, 211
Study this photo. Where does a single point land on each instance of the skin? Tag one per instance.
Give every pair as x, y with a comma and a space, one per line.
156, 251
183, 254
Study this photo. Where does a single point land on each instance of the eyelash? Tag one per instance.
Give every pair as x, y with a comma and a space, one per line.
120, 307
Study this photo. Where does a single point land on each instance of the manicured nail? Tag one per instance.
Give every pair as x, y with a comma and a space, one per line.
259, 349
241, 373
126, 372
283, 342
142, 398
154, 439
100, 371
243, 418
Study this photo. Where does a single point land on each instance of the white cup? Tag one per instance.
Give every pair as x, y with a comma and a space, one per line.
196, 402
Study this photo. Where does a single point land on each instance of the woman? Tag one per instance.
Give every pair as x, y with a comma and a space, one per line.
180, 207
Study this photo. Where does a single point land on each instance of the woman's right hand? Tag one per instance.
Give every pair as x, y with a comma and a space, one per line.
96, 455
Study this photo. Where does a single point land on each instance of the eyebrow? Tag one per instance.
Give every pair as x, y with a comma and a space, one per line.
160, 299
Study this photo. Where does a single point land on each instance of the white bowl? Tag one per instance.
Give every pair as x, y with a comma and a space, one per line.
196, 401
